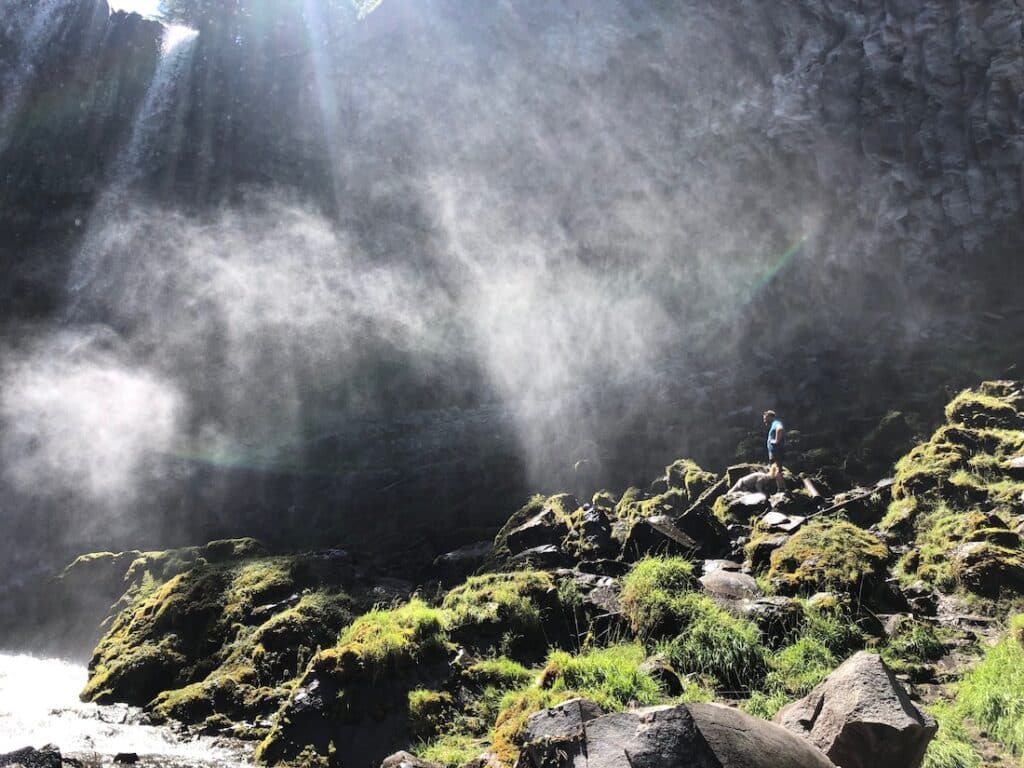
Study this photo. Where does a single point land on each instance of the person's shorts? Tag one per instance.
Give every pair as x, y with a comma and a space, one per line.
777, 457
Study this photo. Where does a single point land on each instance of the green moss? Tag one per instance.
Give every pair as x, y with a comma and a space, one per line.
609, 676
978, 410
650, 595
428, 712
500, 673
515, 710
385, 641
827, 554
992, 694
506, 599
940, 559
213, 640
686, 475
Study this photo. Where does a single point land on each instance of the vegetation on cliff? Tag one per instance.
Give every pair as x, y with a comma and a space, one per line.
228, 633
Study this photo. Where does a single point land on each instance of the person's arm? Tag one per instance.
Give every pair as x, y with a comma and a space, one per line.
779, 431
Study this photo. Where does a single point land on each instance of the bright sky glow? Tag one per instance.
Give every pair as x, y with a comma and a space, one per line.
149, 8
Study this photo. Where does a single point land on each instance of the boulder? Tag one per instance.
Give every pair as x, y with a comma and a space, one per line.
593, 536
861, 717
701, 525
776, 617
453, 567
761, 547
546, 557
683, 736
656, 535
730, 585
47, 757
545, 528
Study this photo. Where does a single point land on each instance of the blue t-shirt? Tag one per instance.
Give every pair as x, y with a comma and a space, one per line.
775, 448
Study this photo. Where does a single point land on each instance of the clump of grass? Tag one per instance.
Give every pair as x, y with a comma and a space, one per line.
913, 645
831, 622
992, 694
498, 598
452, 750
651, 595
797, 668
388, 640
951, 748
609, 676
716, 645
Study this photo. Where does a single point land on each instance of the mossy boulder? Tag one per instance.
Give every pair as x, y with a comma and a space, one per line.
828, 554
217, 638
686, 475
352, 704
520, 613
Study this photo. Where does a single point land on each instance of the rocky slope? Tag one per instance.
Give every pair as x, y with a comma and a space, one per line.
694, 589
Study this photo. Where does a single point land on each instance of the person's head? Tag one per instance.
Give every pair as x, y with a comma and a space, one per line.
769, 417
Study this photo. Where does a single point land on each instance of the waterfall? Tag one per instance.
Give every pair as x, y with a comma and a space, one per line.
158, 105
155, 116
43, 24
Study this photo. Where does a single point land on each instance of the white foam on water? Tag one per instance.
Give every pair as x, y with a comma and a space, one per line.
39, 705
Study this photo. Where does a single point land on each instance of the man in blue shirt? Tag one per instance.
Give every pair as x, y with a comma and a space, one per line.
776, 448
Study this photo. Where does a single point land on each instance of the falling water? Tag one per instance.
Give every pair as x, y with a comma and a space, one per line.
158, 106
149, 130
45, 21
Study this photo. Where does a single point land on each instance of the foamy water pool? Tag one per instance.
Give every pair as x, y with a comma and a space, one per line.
39, 705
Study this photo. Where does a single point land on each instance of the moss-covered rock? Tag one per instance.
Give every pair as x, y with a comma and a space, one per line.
216, 639
828, 554
519, 613
955, 497
352, 704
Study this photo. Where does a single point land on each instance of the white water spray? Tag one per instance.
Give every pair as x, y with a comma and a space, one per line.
39, 705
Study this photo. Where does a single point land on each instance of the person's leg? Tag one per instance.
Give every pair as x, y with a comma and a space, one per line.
777, 473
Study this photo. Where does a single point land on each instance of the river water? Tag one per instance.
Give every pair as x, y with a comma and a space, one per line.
39, 705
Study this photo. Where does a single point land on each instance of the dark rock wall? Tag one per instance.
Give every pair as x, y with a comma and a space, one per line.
829, 188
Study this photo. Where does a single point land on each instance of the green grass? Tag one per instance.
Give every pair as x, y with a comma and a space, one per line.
992, 694
715, 645
951, 747
651, 595
914, 644
609, 676
506, 598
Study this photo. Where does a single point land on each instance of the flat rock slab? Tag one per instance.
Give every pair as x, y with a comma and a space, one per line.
730, 585
778, 522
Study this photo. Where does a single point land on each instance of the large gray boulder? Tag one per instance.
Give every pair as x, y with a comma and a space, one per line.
575, 735
861, 717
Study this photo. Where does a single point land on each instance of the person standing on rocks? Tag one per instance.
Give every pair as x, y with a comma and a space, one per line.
776, 448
